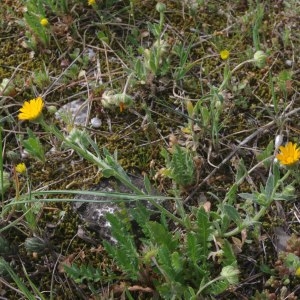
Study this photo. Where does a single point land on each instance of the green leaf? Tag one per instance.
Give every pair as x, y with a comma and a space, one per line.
204, 230
40, 32
248, 196
241, 170
83, 272
161, 236
218, 287
267, 153
21, 286
231, 194
177, 261
165, 262
292, 261
181, 165
276, 173
228, 255
269, 187
112, 161
107, 173
195, 255
33, 146
232, 213
102, 37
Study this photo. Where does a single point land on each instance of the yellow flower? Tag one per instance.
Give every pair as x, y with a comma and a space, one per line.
224, 54
44, 22
297, 272
289, 154
21, 168
91, 2
31, 109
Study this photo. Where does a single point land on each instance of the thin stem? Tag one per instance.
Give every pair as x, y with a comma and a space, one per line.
208, 284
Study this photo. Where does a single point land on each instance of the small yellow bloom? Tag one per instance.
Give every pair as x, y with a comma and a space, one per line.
224, 54
289, 154
31, 109
21, 168
44, 22
91, 2
297, 272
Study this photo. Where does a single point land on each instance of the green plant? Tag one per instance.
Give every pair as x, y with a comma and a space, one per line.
35, 13
180, 167
183, 52
155, 59
23, 290
180, 266
33, 146
259, 14
83, 273
4, 176
41, 79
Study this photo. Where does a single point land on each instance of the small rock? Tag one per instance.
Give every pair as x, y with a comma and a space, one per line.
94, 213
96, 122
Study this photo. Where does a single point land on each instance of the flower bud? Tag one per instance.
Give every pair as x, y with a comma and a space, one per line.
190, 108
52, 109
262, 199
160, 7
278, 141
13, 156
260, 58
289, 190
218, 104
35, 244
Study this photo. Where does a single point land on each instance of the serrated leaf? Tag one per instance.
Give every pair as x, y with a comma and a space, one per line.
204, 229
141, 214
176, 261
218, 287
161, 236
83, 272
164, 259
228, 254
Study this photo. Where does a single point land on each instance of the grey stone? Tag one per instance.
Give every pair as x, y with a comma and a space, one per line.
94, 213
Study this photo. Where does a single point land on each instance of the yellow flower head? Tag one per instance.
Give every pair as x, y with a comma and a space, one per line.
224, 54
31, 109
21, 168
297, 272
44, 22
91, 2
289, 154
